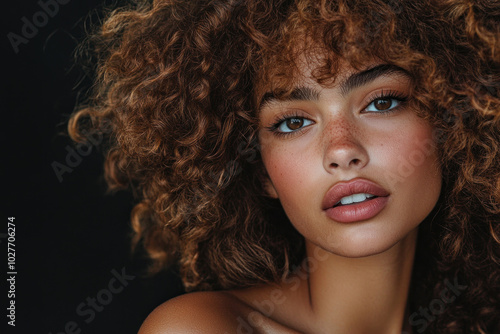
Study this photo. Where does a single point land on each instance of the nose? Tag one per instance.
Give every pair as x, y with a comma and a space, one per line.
344, 149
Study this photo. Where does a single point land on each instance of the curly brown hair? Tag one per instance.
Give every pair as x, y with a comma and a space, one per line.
178, 89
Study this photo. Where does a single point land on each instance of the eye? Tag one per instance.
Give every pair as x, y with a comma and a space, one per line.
384, 104
292, 124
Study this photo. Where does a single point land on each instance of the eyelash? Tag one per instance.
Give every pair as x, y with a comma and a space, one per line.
277, 123
389, 95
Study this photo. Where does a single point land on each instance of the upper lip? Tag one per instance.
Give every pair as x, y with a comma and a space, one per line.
347, 188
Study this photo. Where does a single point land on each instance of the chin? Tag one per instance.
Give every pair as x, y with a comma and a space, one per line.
358, 244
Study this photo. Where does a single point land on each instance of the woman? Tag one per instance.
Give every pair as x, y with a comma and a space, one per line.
319, 166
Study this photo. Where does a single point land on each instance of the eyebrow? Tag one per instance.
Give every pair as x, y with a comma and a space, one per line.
352, 82
365, 77
297, 94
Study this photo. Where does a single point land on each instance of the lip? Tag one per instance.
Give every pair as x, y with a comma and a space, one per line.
358, 211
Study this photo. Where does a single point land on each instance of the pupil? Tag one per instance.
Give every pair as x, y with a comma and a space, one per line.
383, 104
294, 123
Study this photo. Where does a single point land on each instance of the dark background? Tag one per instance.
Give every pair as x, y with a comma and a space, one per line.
70, 234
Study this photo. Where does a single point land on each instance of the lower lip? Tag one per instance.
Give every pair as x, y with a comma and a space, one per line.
357, 212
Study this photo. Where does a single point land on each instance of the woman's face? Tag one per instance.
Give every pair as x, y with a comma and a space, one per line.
355, 169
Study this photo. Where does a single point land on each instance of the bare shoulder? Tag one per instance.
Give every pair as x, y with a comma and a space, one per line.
197, 312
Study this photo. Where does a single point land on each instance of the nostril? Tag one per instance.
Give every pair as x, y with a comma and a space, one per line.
355, 162
345, 156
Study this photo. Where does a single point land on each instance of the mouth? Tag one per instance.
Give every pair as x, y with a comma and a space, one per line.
355, 200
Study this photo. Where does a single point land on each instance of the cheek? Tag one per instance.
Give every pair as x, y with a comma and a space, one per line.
293, 168
418, 153
404, 147
286, 169
292, 174
415, 170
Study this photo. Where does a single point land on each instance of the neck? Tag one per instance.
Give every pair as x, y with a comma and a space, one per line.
361, 295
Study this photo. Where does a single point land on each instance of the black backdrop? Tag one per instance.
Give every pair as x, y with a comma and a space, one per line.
75, 272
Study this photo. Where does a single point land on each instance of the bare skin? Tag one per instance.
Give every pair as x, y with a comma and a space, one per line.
340, 295
328, 299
